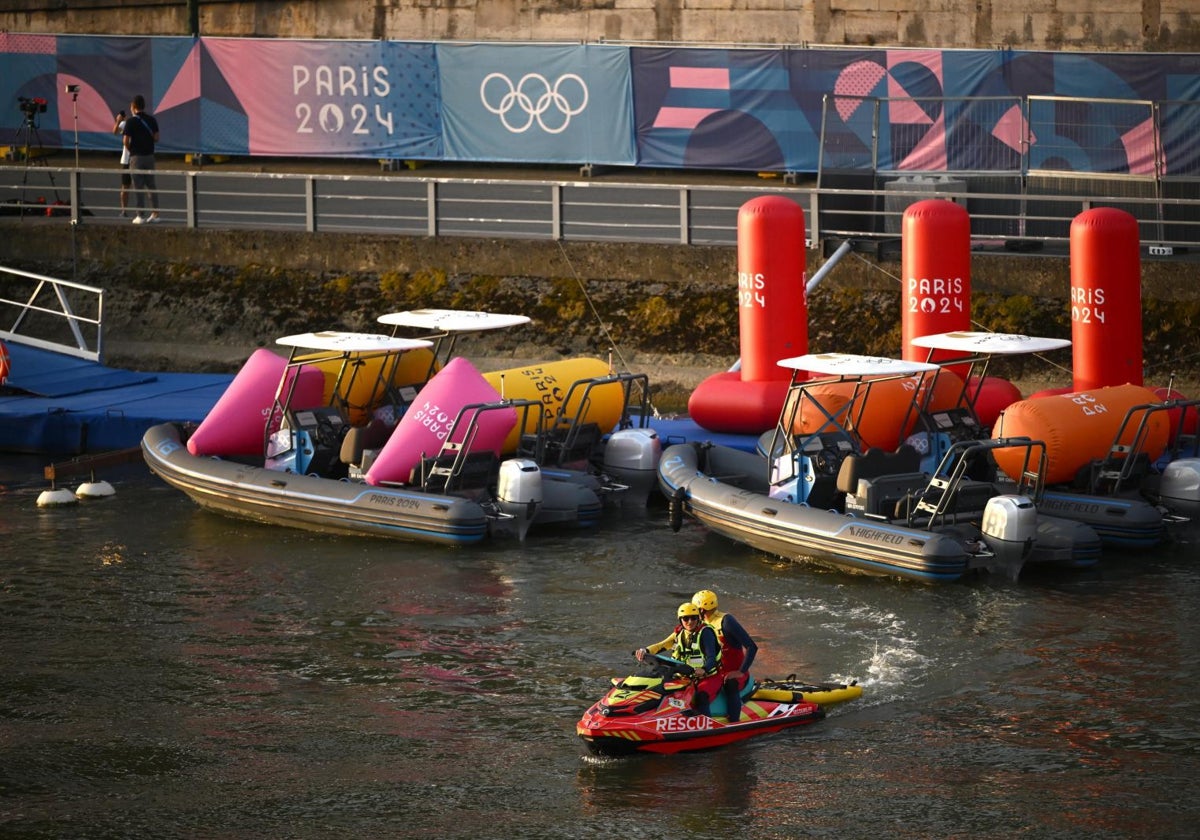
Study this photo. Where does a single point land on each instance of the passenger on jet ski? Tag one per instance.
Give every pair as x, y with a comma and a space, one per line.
738, 650
696, 644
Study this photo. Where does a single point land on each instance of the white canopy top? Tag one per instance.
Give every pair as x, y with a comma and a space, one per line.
989, 343
350, 342
452, 320
852, 364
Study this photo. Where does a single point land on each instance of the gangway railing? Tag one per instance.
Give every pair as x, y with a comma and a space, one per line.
45, 312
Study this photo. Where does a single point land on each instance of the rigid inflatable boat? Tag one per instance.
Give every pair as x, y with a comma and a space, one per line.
813, 491
426, 460
1105, 448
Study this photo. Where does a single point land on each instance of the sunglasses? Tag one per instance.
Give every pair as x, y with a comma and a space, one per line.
690, 618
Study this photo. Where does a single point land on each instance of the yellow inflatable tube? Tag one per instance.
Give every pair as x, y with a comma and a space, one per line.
549, 383
825, 697
361, 394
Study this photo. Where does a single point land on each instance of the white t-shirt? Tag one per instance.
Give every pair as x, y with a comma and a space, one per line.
124, 148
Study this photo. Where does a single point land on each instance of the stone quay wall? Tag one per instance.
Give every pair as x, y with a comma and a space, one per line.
1091, 25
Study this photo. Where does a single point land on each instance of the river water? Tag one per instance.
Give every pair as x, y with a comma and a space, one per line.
171, 673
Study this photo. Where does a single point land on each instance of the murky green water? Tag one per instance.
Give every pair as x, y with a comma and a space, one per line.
170, 673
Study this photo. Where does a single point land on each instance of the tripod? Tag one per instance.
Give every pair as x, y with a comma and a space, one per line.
27, 137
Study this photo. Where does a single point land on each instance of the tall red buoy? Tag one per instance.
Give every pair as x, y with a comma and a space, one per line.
772, 314
935, 257
773, 320
1106, 299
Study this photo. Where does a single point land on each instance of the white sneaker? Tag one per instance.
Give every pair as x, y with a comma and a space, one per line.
152, 219
137, 220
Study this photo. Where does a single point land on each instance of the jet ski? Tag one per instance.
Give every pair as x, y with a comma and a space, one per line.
654, 712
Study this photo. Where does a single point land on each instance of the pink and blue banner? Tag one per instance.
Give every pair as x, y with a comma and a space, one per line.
314, 98
757, 109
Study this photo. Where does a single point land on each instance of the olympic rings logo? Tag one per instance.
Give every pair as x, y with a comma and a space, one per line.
534, 96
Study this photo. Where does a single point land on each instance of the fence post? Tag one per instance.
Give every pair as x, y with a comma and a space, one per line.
189, 189
685, 226
556, 231
431, 208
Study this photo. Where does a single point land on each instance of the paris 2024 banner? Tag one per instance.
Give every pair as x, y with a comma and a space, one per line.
754, 109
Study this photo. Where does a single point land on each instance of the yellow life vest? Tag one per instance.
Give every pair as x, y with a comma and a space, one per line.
687, 649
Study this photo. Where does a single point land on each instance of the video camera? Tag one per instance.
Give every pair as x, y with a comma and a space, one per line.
29, 107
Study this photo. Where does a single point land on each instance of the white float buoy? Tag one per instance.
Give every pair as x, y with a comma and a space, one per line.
95, 490
59, 496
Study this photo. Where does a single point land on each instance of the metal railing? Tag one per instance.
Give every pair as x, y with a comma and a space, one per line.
1030, 209
46, 312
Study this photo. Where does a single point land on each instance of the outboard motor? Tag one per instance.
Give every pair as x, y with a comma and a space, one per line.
1178, 488
1009, 530
519, 491
631, 458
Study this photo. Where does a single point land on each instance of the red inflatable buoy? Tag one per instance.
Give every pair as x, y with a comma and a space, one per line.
936, 267
991, 396
5, 363
772, 314
1176, 415
772, 319
1106, 299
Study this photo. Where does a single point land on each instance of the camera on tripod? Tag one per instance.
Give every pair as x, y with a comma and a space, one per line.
71, 89
29, 107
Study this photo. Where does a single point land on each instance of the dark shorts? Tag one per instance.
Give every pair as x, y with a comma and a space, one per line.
144, 179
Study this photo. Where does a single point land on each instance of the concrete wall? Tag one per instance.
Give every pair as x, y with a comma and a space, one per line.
1136, 25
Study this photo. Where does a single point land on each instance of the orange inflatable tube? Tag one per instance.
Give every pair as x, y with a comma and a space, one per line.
1077, 428
879, 417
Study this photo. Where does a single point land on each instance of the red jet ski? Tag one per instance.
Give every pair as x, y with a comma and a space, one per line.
653, 713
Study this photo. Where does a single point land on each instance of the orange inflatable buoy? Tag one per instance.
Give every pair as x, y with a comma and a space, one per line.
1077, 428
879, 418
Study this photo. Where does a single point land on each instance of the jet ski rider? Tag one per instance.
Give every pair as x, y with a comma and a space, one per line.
695, 643
738, 650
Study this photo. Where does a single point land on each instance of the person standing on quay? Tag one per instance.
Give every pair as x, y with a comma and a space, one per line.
126, 182
141, 133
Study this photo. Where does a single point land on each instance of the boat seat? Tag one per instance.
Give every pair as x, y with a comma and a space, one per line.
880, 496
361, 438
876, 463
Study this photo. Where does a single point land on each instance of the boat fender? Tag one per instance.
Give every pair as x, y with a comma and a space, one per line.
675, 509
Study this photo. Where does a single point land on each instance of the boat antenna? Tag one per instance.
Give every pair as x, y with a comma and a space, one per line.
591, 305
613, 348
